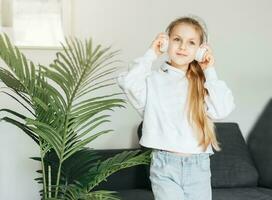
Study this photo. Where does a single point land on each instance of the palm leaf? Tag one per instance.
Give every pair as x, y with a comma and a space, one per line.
102, 194
123, 160
23, 127
8, 78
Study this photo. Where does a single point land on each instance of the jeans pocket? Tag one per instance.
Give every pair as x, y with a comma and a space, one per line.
156, 160
205, 164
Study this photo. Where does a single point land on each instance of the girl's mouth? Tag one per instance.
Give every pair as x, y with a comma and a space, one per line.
181, 54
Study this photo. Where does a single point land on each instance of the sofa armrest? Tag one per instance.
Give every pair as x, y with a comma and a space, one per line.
259, 142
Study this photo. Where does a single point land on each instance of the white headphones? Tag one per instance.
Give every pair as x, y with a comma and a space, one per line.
202, 24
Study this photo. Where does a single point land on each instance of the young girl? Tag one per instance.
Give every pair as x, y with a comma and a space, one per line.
178, 103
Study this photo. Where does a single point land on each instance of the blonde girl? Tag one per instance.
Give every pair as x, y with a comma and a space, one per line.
178, 103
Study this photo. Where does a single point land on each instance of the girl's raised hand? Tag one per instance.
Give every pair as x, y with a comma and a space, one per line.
208, 58
157, 42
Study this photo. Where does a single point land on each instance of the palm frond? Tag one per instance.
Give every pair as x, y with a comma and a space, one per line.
73, 192
102, 194
73, 70
8, 78
22, 71
23, 127
103, 169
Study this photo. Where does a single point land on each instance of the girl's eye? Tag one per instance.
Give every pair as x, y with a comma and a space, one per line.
176, 39
192, 43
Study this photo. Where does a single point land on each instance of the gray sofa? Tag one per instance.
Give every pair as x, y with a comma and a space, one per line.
241, 171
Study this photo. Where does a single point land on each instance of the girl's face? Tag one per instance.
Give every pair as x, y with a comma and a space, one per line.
183, 44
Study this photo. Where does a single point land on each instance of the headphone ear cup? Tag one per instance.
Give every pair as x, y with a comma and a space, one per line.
200, 54
164, 46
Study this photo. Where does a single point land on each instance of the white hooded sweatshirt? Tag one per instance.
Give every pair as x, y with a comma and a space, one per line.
159, 96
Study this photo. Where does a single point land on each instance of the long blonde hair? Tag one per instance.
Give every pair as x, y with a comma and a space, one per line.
201, 123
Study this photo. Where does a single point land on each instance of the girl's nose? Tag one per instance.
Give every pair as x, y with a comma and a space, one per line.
182, 45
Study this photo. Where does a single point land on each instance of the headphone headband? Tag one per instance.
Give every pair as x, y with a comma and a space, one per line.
202, 24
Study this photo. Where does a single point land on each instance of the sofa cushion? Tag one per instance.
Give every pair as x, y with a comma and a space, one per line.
233, 165
259, 142
253, 193
267, 191
136, 194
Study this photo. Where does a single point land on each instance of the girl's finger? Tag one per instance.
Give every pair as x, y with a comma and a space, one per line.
208, 57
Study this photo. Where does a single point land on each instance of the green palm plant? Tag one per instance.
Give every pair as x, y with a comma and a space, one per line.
63, 113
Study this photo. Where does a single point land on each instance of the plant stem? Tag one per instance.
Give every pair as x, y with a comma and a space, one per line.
43, 171
49, 181
58, 178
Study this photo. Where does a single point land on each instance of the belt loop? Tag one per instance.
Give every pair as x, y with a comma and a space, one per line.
198, 158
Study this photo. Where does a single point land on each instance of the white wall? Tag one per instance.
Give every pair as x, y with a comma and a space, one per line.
240, 35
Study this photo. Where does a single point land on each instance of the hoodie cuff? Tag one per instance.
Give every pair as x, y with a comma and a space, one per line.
210, 74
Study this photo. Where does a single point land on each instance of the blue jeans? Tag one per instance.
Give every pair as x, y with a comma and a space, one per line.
177, 177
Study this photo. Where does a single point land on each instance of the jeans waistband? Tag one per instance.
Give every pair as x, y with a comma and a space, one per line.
181, 157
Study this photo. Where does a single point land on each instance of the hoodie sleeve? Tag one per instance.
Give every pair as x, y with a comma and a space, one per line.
133, 81
220, 102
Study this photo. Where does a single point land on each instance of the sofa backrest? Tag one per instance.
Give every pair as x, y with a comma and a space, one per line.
233, 165
260, 145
